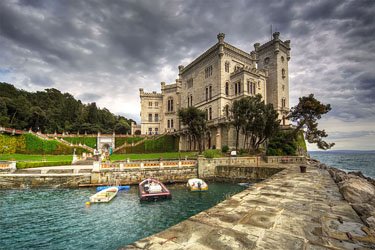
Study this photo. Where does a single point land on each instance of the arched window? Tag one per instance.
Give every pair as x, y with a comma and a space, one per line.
282, 59
226, 111
210, 92
226, 88
206, 93
283, 73
283, 102
210, 113
170, 104
227, 67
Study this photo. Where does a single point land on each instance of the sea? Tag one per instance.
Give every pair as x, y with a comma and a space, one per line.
348, 160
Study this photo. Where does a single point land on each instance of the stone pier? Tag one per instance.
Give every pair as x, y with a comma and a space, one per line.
290, 210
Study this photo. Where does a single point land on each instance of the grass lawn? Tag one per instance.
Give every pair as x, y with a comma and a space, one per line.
154, 156
24, 157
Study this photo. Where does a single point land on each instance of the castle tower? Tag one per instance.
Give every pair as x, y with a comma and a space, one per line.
274, 56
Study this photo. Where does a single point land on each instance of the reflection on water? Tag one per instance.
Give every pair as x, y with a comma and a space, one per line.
59, 219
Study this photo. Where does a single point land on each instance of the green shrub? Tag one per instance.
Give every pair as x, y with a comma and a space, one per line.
166, 143
119, 141
212, 153
283, 144
225, 149
88, 141
28, 164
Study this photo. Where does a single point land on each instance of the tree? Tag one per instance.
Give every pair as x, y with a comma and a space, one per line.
122, 127
257, 121
195, 120
238, 116
305, 114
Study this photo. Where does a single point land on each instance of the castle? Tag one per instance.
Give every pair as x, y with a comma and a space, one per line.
212, 82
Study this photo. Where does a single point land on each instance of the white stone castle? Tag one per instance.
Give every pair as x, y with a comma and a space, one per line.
212, 82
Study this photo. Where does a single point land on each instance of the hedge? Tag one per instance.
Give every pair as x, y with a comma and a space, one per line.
166, 143
31, 144
30, 164
129, 140
88, 141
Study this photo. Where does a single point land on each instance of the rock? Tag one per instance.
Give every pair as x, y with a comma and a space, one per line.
357, 190
371, 222
364, 210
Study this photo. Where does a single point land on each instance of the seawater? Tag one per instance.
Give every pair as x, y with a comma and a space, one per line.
363, 161
59, 219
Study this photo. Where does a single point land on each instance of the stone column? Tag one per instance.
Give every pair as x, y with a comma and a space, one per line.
218, 137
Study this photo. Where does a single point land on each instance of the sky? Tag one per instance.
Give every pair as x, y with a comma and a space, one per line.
104, 51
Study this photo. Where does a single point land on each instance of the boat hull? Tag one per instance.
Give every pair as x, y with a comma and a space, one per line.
197, 185
148, 194
105, 195
119, 188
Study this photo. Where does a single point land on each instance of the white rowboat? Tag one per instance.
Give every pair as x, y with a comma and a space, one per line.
105, 195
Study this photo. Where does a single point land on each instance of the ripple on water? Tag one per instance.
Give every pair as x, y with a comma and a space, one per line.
58, 218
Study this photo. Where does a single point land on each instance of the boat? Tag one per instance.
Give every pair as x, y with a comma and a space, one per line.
119, 188
196, 184
152, 189
105, 195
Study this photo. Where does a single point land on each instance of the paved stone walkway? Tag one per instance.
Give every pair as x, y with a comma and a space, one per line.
291, 210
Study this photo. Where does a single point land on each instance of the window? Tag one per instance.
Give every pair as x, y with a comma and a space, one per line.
206, 93
191, 100
209, 113
150, 104
168, 123
226, 110
156, 104
210, 92
156, 131
227, 67
266, 61
283, 73
156, 117
283, 103
283, 87
282, 59
170, 105
206, 116
237, 88
227, 88
208, 71
248, 87
149, 117
171, 123
188, 101
149, 131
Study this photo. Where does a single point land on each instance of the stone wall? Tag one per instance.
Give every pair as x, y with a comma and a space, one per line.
135, 175
285, 159
207, 167
49, 180
244, 173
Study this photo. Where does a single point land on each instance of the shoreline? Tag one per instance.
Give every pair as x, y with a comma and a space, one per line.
356, 188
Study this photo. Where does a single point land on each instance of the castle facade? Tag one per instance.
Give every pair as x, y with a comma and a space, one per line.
212, 82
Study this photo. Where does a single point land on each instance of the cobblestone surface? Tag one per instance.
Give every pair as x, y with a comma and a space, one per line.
290, 210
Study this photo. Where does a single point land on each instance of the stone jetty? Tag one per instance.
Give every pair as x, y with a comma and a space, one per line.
290, 210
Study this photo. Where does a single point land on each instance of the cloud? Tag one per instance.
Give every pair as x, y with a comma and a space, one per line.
104, 51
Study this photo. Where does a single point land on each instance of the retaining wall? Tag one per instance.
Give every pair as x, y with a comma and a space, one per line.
48, 180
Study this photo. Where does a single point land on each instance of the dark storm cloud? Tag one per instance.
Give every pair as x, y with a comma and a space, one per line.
109, 49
